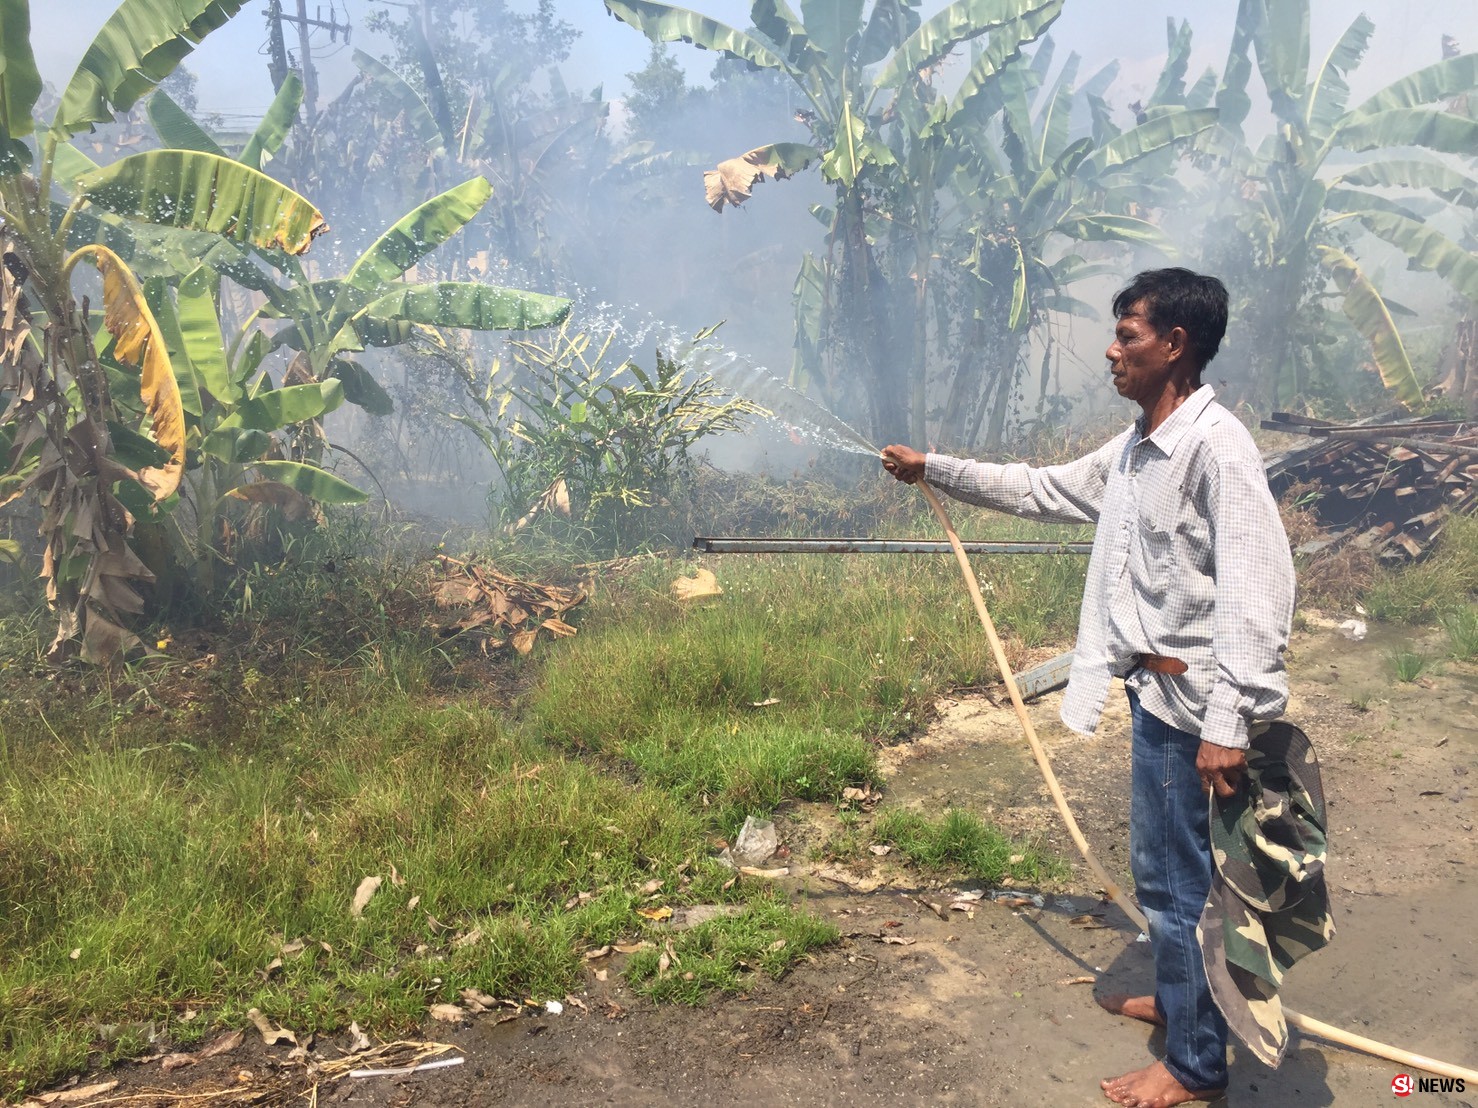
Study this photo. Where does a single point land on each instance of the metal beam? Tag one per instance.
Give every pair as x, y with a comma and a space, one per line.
730, 545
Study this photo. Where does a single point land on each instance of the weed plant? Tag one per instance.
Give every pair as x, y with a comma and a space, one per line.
961, 846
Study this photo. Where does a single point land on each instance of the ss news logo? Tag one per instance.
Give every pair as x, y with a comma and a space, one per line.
1403, 1085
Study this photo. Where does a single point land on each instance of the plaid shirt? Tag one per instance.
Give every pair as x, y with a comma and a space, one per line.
1189, 561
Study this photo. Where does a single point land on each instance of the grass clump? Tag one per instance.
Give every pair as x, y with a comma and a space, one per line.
1408, 665
962, 846
1446, 581
768, 936
1462, 632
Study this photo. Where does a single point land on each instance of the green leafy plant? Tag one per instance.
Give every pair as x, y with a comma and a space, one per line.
596, 445
71, 439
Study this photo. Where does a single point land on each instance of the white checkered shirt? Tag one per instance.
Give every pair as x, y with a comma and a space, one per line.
1189, 561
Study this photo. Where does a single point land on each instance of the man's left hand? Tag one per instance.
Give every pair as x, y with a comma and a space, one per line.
1221, 768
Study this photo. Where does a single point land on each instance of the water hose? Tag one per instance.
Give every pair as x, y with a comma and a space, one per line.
1306, 1024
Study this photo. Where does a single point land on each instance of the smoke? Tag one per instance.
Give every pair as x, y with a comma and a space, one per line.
597, 167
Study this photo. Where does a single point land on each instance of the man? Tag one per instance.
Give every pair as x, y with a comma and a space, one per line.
1189, 598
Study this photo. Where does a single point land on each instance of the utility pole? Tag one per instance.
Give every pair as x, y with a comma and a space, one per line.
275, 20
276, 46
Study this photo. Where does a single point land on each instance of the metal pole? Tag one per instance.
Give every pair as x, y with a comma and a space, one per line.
727, 545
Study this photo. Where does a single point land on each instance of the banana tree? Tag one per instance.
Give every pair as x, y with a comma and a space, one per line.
371, 306
1306, 206
67, 430
856, 71
1025, 194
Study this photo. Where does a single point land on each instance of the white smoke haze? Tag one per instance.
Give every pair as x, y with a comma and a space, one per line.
630, 238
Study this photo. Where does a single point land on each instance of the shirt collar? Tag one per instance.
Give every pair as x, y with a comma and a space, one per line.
1168, 434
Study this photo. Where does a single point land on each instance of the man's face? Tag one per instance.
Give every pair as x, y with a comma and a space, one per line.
1140, 359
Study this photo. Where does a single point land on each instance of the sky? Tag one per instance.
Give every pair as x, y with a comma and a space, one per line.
234, 82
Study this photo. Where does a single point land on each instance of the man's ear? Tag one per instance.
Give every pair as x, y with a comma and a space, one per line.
1179, 343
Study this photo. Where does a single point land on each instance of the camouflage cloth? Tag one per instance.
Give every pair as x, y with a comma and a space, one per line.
1268, 905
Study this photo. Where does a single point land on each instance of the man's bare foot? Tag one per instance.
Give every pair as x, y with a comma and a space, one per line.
1152, 1087
1135, 1007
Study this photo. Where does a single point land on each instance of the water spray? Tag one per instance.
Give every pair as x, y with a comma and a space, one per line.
832, 432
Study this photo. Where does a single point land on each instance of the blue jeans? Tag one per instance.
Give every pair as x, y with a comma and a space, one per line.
1170, 855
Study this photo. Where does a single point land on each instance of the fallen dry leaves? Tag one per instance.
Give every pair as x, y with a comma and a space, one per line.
503, 610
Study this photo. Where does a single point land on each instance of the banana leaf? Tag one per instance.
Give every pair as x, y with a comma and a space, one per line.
69, 163
200, 330
134, 450
1427, 249
1329, 92
140, 45
313, 482
1441, 81
176, 129
470, 306
1056, 117
360, 387
830, 24
418, 234
235, 445
978, 94
280, 408
205, 192
157, 296
1446, 182
1283, 54
957, 23
1047, 186
891, 23
1160, 132
1232, 101
1369, 314
777, 21
137, 342
272, 131
1019, 301
1436, 130
855, 149
665, 23
1105, 227
20, 83
1201, 93
417, 115
1170, 88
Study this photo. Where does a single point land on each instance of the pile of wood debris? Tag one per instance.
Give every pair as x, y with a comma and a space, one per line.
1384, 485
501, 610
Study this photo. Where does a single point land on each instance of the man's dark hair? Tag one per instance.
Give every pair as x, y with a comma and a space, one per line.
1177, 297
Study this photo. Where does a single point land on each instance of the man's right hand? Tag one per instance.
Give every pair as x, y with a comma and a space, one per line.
904, 463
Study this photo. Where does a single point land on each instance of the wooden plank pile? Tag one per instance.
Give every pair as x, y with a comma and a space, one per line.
1385, 485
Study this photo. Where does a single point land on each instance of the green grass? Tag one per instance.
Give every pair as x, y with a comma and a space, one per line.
1408, 665
1462, 632
962, 846
175, 824
1444, 582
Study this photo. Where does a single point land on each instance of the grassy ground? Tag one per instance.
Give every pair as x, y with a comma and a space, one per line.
182, 842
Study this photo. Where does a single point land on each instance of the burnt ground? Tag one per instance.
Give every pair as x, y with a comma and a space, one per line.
992, 1008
